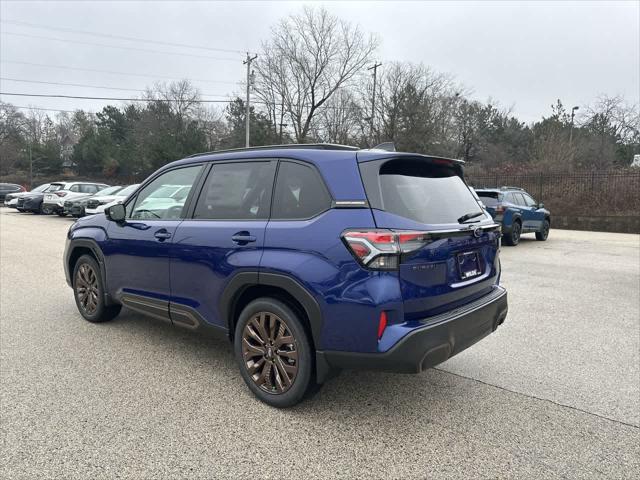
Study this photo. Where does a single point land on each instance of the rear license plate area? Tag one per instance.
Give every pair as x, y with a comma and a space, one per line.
468, 265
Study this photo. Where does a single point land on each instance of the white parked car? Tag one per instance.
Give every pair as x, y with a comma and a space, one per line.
54, 202
98, 203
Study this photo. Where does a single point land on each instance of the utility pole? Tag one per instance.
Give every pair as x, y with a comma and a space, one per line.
30, 168
247, 62
373, 99
573, 114
282, 124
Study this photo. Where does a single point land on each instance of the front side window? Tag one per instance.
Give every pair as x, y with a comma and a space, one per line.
236, 191
155, 201
530, 202
300, 193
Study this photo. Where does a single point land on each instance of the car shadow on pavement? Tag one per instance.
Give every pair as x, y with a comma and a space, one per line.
356, 393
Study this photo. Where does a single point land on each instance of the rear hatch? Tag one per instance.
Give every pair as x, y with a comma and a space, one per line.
448, 245
490, 199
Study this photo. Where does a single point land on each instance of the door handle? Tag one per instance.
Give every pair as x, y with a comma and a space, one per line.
162, 235
242, 238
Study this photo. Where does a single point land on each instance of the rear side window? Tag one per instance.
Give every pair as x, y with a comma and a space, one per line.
300, 193
236, 191
418, 190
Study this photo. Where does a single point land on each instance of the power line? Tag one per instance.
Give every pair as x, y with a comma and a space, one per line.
42, 37
63, 67
121, 37
44, 109
93, 86
123, 99
117, 99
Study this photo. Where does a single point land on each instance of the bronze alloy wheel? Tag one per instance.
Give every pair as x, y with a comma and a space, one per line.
87, 289
269, 352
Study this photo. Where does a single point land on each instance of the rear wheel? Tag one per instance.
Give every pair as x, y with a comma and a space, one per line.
543, 234
88, 291
274, 353
513, 237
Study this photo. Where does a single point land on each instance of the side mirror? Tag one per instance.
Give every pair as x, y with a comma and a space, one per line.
116, 213
541, 205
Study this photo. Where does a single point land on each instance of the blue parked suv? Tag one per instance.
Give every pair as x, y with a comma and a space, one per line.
517, 212
309, 258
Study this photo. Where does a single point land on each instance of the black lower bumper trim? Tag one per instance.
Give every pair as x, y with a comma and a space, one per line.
432, 344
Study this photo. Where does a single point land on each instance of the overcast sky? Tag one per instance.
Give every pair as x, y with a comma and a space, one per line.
522, 54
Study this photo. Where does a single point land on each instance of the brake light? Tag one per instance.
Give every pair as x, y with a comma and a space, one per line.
382, 324
380, 249
499, 208
60, 194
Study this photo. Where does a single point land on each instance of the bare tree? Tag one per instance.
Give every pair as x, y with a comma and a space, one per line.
309, 57
181, 97
338, 121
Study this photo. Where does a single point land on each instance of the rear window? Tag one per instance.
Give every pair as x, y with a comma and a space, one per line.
490, 199
418, 190
54, 187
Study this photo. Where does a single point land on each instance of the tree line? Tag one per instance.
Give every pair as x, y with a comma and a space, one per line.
312, 83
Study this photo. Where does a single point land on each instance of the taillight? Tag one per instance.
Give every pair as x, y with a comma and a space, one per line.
60, 194
499, 208
382, 324
380, 249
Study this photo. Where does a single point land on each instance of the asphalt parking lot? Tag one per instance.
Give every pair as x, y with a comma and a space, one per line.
555, 392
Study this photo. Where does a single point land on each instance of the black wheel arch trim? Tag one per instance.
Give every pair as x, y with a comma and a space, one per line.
93, 246
243, 280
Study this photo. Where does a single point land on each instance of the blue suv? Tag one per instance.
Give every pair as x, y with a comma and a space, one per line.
308, 258
517, 212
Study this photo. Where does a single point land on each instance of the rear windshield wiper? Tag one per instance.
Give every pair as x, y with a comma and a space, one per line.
469, 216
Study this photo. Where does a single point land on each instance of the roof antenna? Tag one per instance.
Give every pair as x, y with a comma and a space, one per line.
386, 146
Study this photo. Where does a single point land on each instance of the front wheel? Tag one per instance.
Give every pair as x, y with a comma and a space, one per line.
513, 237
274, 353
544, 233
88, 291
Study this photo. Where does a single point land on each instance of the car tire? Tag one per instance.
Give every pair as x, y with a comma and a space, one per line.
278, 374
544, 234
88, 291
512, 238
62, 214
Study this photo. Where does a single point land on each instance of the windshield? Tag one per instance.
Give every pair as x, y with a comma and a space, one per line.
126, 191
109, 190
421, 191
41, 188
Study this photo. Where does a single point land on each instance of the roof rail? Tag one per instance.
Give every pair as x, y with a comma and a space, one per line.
293, 146
506, 187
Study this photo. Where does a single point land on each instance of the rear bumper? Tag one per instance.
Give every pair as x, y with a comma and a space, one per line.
439, 339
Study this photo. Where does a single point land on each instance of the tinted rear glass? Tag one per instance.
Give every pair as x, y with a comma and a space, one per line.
55, 187
490, 199
420, 191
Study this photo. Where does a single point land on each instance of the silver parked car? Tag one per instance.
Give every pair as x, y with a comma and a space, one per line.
54, 202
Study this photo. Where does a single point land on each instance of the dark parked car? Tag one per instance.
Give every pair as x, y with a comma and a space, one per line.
76, 206
517, 212
33, 201
7, 188
309, 258
11, 199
